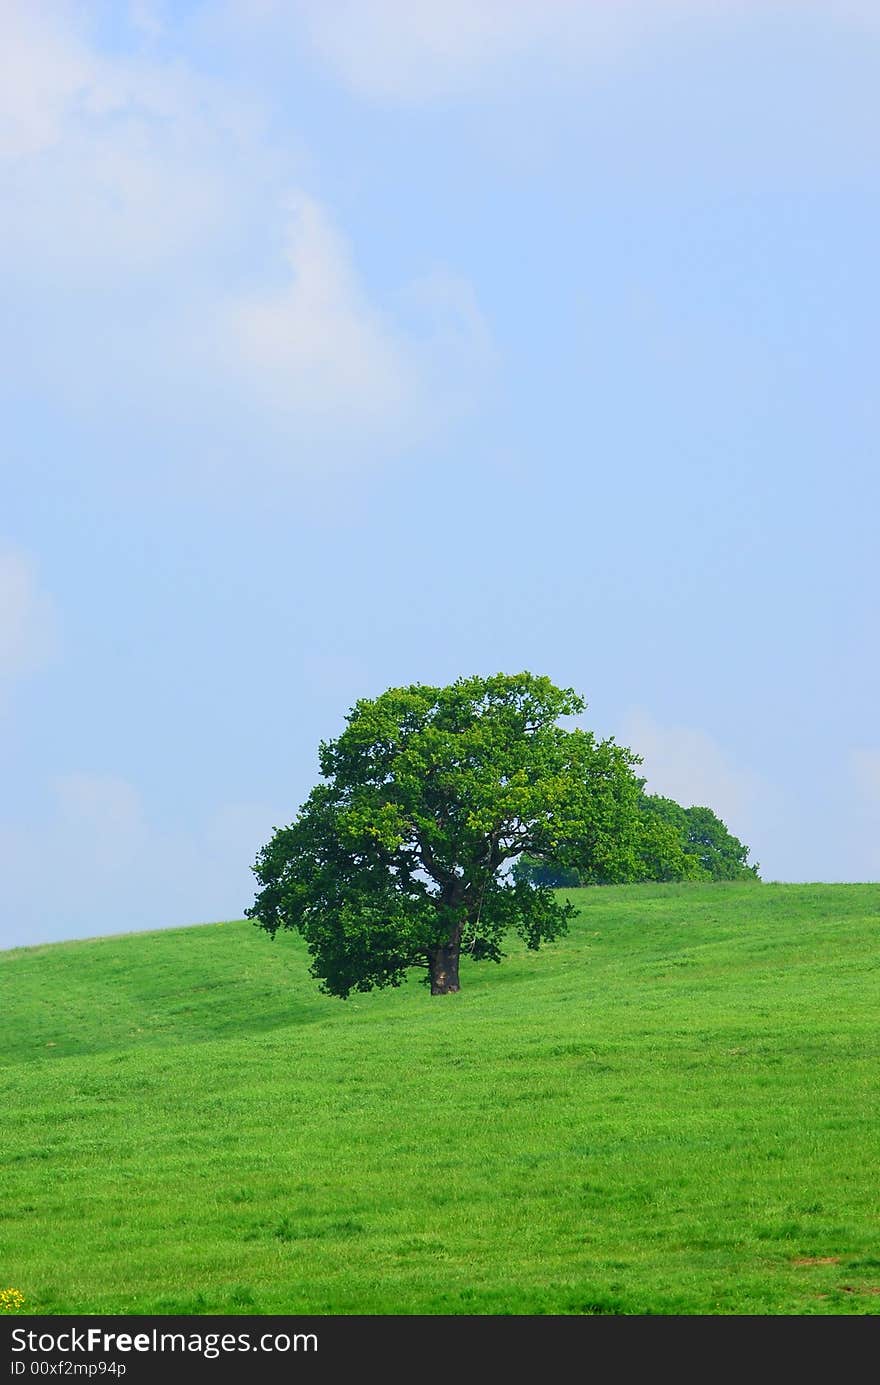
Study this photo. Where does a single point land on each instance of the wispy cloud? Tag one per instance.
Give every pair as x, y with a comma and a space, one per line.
45, 70
326, 360
395, 51
139, 196
119, 162
315, 350
688, 764
392, 50
28, 627
792, 835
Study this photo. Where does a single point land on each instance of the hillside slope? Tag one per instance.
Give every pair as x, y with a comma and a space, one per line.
672, 1110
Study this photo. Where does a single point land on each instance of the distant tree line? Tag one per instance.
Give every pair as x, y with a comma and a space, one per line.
670, 843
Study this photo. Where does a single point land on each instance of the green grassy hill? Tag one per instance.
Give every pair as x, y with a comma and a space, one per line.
672, 1110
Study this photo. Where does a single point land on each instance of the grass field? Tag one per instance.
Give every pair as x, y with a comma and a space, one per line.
672, 1110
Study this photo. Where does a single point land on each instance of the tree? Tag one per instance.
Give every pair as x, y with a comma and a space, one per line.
671, 843
663, 851
535, 872
721, 855
397, 858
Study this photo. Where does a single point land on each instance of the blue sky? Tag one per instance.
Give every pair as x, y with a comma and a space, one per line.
356, 344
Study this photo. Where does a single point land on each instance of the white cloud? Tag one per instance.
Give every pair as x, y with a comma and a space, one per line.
110, 163
316, 349
687, 764
416, 53
394, 50
794, 836
44, 69
28, 637
328, 362
148, 17
403, 51
142, 204
457, 346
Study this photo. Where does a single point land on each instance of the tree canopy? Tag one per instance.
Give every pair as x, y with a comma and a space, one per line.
397, 859
672, 843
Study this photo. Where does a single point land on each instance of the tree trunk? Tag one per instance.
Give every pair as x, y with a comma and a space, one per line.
443, 961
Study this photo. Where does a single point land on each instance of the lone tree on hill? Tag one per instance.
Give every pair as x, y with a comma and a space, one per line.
396, 860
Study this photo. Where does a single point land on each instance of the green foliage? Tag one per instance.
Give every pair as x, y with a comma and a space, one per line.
671, 843
663, 852
721, 855
532, 871
397, 858
688, 844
